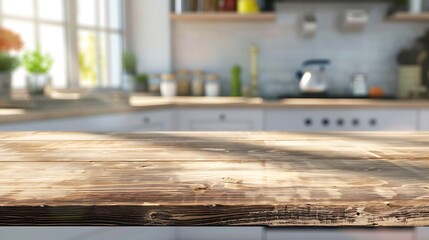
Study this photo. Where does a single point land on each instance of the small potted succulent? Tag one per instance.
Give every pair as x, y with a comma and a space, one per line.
10, 43
37, 65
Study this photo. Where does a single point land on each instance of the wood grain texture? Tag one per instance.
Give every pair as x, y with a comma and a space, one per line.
409, 17
272, 179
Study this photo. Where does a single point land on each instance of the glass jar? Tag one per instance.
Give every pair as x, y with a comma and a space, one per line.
198, 84
168, 85
184, 83
154, 84
228, 5
207, 5
212, 86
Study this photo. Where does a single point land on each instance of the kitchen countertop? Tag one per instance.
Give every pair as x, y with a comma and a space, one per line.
83, 107
141, 101
271, 179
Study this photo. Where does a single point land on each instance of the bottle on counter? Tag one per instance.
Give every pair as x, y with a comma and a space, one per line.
228, 5
254, 71
266, 5
168, 85
183, 6
207, 5
184, 83
212, 85
198, 84
236, 81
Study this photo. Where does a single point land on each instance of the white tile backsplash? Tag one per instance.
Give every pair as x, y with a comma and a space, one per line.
216, 47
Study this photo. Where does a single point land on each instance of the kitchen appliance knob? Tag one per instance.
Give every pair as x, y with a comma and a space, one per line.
340, 122
222, 117
325, 122
308, 122
355, 122
146, 120
373, 122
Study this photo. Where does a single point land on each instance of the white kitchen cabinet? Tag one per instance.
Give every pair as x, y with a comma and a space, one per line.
88, 233
221, 120
220, 233
163, 120
308, 120
422, 233
424, 120
340, 234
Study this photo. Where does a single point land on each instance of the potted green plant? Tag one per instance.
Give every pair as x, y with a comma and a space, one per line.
141, 83
9, 42
129, 64
37, 66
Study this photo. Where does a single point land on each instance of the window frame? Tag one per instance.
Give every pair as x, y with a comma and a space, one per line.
71, 29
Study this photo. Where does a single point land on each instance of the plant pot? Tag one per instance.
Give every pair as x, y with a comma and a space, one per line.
36, 83
140, 87
5, 85
128, 83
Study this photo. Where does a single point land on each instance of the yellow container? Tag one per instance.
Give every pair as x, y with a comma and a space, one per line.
248, 7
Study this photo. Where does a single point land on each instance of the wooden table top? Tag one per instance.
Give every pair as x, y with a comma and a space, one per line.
271, 179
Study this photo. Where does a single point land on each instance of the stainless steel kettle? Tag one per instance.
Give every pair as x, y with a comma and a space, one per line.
312, 78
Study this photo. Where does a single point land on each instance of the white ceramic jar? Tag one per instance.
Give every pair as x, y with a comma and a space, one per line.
168, 85
212, 85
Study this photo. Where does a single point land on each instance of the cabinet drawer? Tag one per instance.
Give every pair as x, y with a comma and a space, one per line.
147, 121
424, 120
221, 120
139, 121
340, 234
87, 233
341, 120
422, 233
219, 233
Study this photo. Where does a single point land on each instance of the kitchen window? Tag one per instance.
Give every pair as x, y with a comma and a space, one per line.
84, 37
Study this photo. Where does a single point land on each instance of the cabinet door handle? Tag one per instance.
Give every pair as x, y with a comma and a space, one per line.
222, 117
146, 120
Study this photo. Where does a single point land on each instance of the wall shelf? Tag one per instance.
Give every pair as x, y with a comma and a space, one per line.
224, 17
409, 17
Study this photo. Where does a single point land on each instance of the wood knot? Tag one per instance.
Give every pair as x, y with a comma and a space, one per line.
201, 189
158, 217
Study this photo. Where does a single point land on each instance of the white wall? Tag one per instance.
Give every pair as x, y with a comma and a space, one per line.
149, 35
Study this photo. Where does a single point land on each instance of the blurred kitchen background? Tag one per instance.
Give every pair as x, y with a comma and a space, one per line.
218, 65
88, 41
